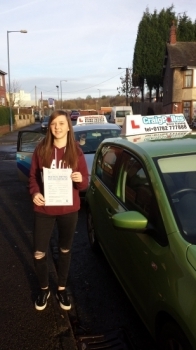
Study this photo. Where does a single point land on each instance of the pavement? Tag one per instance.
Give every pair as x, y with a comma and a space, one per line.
12, 136
21, 326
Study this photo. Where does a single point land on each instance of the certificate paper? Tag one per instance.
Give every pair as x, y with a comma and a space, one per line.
57, 186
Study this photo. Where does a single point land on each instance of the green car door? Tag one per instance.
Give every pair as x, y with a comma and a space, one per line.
119, 245
125, 199
134, 230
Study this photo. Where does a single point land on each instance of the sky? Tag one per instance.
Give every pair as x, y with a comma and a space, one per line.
73, 48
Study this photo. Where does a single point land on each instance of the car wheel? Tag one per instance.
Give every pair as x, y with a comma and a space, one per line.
91, 232
172, 338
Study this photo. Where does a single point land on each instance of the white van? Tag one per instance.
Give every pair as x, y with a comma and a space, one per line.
118, 114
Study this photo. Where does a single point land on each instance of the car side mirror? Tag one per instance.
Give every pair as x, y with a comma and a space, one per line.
132, 220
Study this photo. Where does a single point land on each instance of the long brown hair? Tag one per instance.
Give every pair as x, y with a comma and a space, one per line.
45, 147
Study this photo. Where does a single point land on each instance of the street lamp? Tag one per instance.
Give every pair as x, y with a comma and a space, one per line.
126, 80
8, 60
61, 92
58, 94
99, 98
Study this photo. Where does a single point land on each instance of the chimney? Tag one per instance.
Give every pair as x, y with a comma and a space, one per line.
172, 34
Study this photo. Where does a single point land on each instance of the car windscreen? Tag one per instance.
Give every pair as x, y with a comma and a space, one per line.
122, 114
89, 140
179, 179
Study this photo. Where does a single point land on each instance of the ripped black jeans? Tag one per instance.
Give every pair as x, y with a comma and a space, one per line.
43, 227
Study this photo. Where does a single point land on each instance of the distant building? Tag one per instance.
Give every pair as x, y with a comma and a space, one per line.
21, 99
2, 89
179, 77
105, 110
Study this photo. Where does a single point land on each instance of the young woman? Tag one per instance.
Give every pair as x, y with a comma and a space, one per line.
57, 150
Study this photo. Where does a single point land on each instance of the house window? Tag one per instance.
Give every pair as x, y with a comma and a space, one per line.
1, 80
194, 110
188, 78
187, 110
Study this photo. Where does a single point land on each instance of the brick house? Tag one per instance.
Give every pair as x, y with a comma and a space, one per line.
2, 89
179, 77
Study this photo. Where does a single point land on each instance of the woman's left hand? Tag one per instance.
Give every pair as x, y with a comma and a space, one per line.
76, 177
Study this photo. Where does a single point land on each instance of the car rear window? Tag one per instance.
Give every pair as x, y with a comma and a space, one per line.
122, 114
95, 137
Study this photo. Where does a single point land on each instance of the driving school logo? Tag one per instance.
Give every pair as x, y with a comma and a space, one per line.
163, 119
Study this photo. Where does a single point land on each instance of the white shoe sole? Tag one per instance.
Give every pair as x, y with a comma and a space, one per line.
64, 307
40, 308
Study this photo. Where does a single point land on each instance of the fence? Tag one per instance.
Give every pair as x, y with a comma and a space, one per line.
147, 108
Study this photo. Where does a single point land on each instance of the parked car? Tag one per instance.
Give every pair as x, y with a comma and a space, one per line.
37, 115
94, 129
44, 124
118, 114
74, 115
141, 212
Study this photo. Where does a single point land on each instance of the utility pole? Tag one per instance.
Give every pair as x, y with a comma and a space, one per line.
42, 105
127, 77
58, 94
99, 100
35, 96
61, 93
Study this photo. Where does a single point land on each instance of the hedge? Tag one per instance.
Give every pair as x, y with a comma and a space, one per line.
5, 116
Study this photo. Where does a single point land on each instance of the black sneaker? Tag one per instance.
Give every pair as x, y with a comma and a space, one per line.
63, 299
41, 301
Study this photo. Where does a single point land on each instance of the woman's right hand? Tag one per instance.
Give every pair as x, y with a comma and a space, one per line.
38, 199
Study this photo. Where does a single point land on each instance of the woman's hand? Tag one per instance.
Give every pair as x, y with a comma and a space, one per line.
38, 199
76, 177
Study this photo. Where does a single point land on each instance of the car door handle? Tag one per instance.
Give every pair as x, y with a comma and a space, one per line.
109, 212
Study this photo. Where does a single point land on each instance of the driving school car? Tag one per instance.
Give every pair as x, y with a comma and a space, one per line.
96, 128
145, 184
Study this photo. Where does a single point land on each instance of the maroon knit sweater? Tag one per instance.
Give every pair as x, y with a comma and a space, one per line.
36, 183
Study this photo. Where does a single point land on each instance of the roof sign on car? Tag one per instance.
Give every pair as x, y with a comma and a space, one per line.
151, 124
91, 119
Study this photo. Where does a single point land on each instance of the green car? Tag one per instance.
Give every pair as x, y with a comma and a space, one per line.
141, 211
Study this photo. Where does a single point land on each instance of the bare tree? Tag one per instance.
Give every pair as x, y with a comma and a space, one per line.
14, 89
129, 87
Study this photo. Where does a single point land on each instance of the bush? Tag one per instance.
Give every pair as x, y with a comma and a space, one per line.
5, 116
